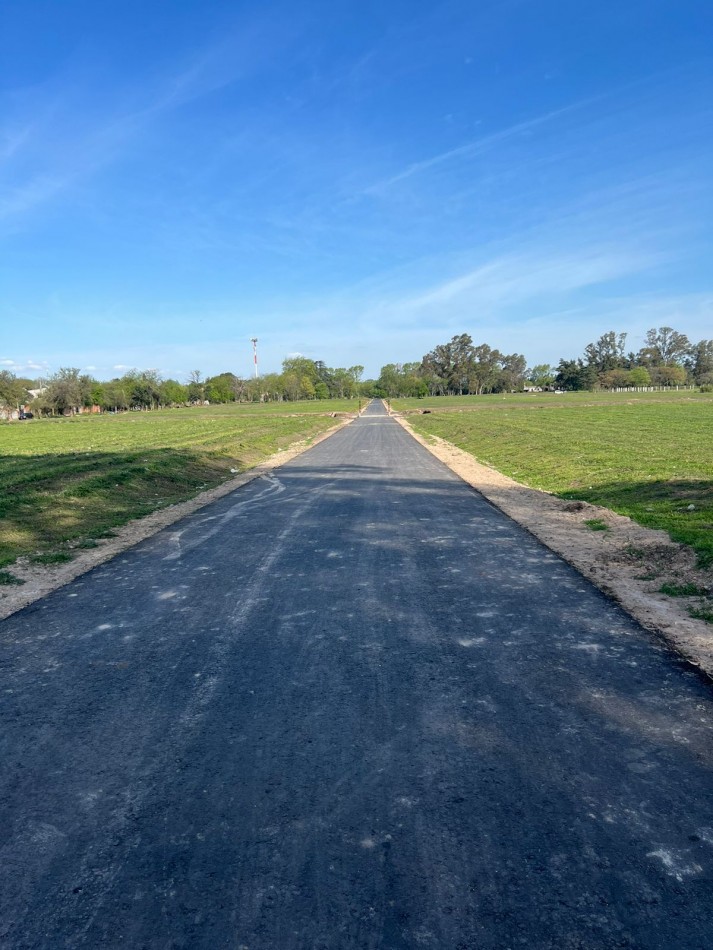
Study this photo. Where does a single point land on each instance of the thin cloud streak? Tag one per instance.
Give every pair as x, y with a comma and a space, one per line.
515, 278
479, 146
87, 151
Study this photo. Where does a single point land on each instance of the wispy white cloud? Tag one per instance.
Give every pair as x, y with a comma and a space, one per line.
477, 147
70, 138
514, 278
25, 366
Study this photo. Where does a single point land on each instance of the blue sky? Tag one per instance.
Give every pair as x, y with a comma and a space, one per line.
354, 181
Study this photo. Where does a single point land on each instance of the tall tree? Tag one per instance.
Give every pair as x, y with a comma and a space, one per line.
65, 390
664, 346
451, 362
196, 386
700, 362
607, 352
575, 375
143, 388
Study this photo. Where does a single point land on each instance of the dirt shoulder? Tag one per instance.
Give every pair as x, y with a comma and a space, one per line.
40, 580
627, 562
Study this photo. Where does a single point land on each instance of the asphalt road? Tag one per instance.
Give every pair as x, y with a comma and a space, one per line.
349, 706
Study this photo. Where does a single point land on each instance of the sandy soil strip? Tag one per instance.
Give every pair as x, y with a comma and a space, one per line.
627, 562
41, 580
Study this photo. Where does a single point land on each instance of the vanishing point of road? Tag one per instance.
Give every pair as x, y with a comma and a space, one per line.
350, 705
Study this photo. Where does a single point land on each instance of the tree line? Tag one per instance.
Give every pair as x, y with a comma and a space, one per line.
69, 390
458, 367
455, 368
667, 358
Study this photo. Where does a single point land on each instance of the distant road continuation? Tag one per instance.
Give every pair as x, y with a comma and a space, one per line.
350, 705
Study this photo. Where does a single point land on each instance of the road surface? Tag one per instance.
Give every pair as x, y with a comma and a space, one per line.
350, 705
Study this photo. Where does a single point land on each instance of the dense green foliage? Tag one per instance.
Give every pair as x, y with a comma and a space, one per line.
646, 455
455, 367
72, 479
668, 359
68, 391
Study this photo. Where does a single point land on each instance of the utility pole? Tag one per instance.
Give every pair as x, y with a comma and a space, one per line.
253, 340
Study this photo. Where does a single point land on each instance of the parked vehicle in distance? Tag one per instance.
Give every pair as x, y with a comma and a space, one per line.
26, 415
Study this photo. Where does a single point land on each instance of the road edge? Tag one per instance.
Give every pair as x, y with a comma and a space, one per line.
40, 581
666, 618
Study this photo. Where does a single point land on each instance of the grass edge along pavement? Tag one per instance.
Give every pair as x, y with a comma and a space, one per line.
648, 458
98, 474
38, 582
612, 560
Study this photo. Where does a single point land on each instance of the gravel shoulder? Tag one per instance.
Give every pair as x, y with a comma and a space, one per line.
626, 561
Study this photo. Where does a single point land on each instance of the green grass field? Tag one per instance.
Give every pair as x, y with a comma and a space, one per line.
646, 455
66, 482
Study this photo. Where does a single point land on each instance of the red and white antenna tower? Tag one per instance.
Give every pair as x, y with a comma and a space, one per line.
253, 340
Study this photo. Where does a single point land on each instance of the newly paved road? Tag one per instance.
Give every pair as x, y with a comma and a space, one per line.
349, 706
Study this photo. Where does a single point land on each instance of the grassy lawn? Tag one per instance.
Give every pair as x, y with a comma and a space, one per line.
65, 482
646, 455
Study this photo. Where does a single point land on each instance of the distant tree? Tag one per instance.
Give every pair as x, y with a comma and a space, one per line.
115, 395
511, 376
452, 363
290, 386
700, 362
542, 375
220, 389
306, 388
301, 366
13, 392
484, 366
575, 375
241, 389
268, 388
664, 346
639, 376
96, 393
367, 388
607, 352
143, 388
196, 386
325, 378
173, 393
614, 379
669, 375
65, 390
353, 375
459, 367
388, 384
